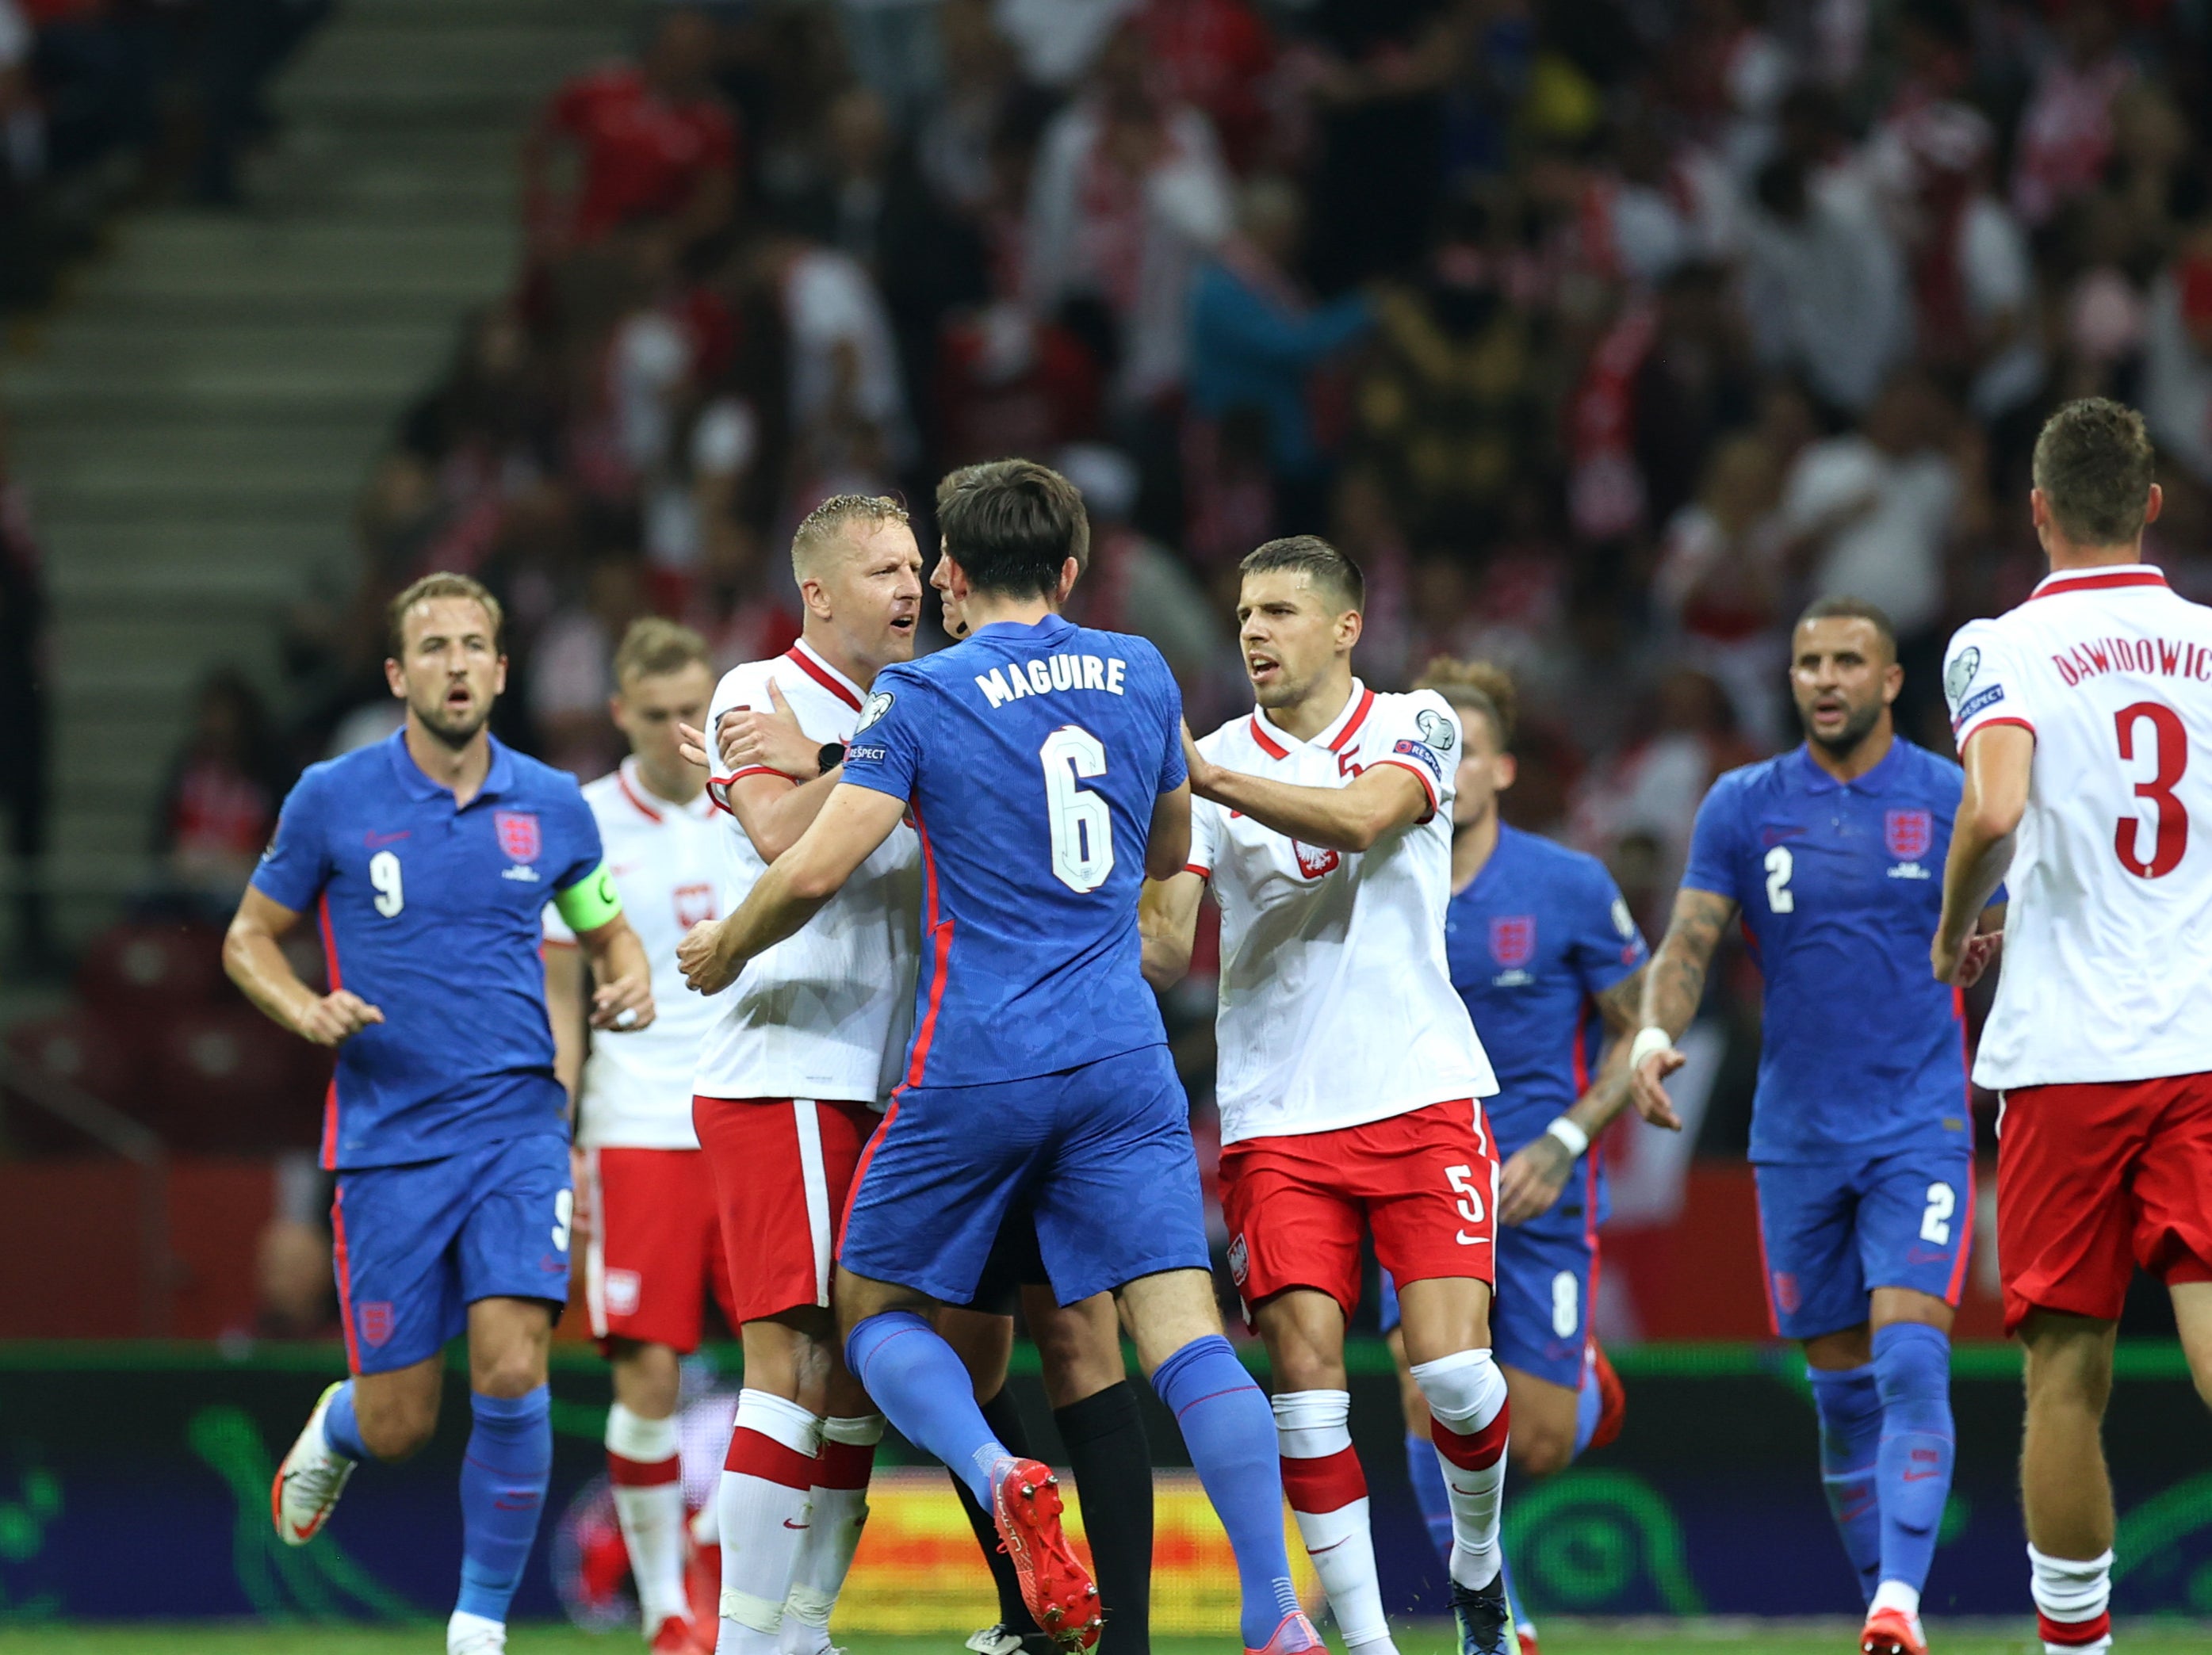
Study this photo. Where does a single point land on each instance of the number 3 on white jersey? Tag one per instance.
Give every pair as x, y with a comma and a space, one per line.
1780, 864
1082, 822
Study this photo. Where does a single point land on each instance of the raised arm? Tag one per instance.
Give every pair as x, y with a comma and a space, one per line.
1166, 918
1673, 984
1999, 759
258, 966
1379, 800
850, 827
1533, 1178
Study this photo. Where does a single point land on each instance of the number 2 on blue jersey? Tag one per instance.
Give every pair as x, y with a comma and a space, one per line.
1082, 822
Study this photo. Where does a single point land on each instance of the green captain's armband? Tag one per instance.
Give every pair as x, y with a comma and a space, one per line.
590, 902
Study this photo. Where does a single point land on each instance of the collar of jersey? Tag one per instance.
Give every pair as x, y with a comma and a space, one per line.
810, 662
416, 786
1818, 780
1277, 742
2089, 580
650, 804
1050, 629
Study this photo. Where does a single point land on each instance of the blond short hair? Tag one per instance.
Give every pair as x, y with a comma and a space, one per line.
434, 586
653, 646
833, 517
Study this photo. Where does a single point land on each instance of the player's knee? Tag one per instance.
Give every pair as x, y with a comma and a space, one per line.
510, 1374
397, 1432
1538, 1448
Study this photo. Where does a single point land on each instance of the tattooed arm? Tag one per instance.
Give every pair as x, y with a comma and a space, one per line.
1534, 1175
1673, 984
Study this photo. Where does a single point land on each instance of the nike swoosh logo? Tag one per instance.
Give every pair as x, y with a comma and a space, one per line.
301, 1531
1466, 1240
788, 1524
1920, 1476
372, 841
1316, 1551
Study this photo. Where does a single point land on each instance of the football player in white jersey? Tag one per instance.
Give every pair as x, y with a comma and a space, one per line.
1350, 1074
2084, 720
805, 1046
645, 1199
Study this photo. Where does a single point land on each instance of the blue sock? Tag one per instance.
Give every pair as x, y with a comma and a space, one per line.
1230, 1433
340, 1429
1426, 1473
1850, 1407
503, 1476
923, 1389
1589, 1403
1912, 1370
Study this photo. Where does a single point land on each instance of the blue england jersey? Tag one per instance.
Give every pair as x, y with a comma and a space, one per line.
1030, 757
1840, 885
433, 915
1540, 933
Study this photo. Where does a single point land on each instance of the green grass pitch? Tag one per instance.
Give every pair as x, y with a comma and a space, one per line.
1560, 1638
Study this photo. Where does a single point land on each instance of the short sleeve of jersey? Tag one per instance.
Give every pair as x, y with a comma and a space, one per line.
1205, 837
1983, 682
578, 844
885, 752
741, 686
1420, 733
297, 863
1715, 843
1603, 944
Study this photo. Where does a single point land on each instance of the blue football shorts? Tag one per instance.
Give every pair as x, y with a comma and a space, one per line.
1831, 1231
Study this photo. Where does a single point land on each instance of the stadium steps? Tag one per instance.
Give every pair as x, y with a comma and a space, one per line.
195, 422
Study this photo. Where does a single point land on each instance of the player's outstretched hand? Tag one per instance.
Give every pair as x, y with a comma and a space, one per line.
335, 1016
624, 1005
700, 953
1201, 767
1647, 1089
1964, 966
749, 737
1533, 1177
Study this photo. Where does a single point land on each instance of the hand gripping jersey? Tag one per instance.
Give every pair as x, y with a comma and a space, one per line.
1532, 941
824, 1013
2107, 970
1337, 1006
1031, 757
1840, 884
666, 862
431, 914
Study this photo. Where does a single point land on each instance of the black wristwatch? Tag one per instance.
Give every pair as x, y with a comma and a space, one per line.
831, 755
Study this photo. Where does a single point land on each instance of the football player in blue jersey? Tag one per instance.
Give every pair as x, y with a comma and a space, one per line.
1042, 765
429, 858
1543, 951
1861, 1136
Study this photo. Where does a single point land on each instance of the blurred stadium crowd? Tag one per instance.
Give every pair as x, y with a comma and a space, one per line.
1604, 333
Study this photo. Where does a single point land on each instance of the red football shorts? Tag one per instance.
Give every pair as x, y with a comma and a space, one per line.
656, 1247
783, 1168
1426, 1183
2095, 1179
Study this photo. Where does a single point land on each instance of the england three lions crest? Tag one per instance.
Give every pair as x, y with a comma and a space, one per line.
1513, 940
518, 834
1908, 834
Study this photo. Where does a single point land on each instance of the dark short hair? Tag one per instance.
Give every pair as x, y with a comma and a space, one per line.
1309, 555
1011, 525
2094, 463
1845, 608
440, 586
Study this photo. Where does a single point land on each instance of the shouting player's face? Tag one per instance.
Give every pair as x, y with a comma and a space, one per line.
450, 671
1844, 678
868, 585
648, 708
1291, 633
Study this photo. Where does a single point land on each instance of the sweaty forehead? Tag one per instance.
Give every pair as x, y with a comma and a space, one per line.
1838, 634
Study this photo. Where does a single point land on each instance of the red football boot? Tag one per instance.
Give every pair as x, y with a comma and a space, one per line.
1058, 1592
1892, 1632
1611, 1402
1293, 1633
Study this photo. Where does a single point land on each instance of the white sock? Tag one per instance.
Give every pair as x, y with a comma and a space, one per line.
764, 1517
648, 1479
474, 1633
1467, 1421
1895, 1594
2073, 1600
841, 1510
1327, 1492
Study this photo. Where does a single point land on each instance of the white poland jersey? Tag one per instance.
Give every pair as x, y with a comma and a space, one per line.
1337, 1005
667, 860
826, 1012
2107, 964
